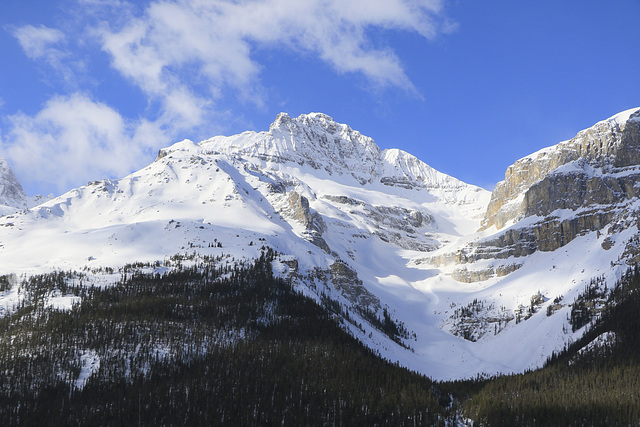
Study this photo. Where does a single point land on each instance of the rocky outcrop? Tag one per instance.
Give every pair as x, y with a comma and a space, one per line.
546, 235
12, 197
465, 275
557, 194
577, 189
345, 279
392, 224
312, 221
300, 212
598, 166
477, 319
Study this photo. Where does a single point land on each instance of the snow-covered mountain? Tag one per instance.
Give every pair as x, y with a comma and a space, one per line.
372, 229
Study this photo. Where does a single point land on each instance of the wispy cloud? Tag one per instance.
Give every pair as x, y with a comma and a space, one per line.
38, 42
214, 42
50, 46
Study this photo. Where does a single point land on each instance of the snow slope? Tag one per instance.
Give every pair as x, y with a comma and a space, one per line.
351, 221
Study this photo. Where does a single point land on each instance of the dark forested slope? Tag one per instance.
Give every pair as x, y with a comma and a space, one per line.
204, 345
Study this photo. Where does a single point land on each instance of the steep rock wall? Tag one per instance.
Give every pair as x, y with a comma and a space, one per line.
595, 167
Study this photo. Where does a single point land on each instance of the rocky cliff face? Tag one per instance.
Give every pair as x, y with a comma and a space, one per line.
590, 183
12, 196
561, 192
598, 166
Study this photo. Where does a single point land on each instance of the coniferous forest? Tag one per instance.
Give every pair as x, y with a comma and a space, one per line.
220, 343
203, 345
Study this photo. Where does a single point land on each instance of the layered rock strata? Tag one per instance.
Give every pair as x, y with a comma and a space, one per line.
600, 165
589, 183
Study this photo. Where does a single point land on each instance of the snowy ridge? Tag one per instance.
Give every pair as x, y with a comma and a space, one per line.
317, 140
610, 146
12, 197
400, 164
625, 116
617, 120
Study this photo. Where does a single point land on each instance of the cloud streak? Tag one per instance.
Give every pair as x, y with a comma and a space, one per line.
50, 46
218, 38
213, 42
37, 42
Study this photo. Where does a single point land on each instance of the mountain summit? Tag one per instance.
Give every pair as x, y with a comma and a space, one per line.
321, 143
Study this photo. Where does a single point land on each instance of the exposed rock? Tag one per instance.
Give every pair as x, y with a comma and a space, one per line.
503, 270
607, 244
576, 187
399, 218
477, 319
300, 208
319, 242
398, 182
11, 192
276, 187
406, 242
546, 235
469, 276
345, 279
631, 254
291, 263
596, 166
392, 224
344, 200
555, 233
302, 213
161, 154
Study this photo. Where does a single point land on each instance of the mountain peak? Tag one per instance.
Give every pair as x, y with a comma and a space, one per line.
314, 140
283, 120
318, 141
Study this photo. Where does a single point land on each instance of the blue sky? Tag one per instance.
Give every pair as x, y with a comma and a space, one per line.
91, 89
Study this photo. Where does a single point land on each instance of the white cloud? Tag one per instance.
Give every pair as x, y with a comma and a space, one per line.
48, 45
336, 30
213, 41
37, 42
74, 139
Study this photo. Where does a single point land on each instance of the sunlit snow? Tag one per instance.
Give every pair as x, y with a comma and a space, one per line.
230, 195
